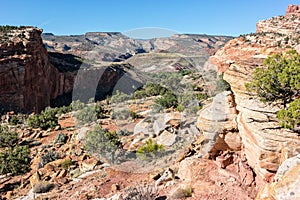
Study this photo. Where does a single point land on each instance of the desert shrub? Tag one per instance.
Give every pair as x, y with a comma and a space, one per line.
183, 192
119, 97
77, 105
66, 164
169, 80
15, 160
47, 119
222, 85
201, 96
48, 157
61, 138
102, 143
7, 137
180, 108
14, 120
185, 72
148, 192
124, 132
290, 117
168, 100
123, 114
42, 187
149, 90
279, 80
89, 114
150, 149
120, 114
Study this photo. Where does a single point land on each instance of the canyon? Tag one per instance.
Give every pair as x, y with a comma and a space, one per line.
232, 148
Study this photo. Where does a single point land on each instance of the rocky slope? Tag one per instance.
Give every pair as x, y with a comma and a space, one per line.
265, 144
27, 79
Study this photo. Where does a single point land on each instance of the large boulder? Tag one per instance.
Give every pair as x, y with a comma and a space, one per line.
286, 184
217, 122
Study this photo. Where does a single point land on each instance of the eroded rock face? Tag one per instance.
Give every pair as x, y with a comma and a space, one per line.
266, 144
288, 24
27, 79
293, 10
219, 127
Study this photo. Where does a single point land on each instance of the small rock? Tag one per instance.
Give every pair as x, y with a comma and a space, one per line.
167, 138
167, 175
115, 187
35, 178
89, 164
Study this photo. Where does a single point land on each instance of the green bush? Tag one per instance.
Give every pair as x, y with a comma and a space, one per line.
47, 119
66, 164
14, 120
61, 138
290, 117
89, 114
121, 114
279, 80
150, 149
102, 143
15, 160
7, 137
149, 90
222, 85
119, 97
48, 157
77, 105
168, 100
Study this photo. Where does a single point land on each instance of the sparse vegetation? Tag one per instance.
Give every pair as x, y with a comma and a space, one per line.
14, 158
290, 118
280, 82
43, 187
150, 149
102, 143
168, 100
183, 192
148, 192
66, 164
119, 97
149, 90
8, 138
61, 138
47, 157
89, 113
47, 119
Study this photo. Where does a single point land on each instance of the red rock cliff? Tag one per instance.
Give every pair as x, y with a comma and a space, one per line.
27, 79
265, 144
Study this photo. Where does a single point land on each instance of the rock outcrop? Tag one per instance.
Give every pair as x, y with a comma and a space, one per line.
266, 144
286, 184
27, 79
293, 10
288, 24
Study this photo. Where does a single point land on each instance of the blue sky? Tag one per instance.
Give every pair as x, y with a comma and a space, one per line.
216, 17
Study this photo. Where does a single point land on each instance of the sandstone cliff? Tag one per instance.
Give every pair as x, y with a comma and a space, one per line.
265, 144
27, 79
